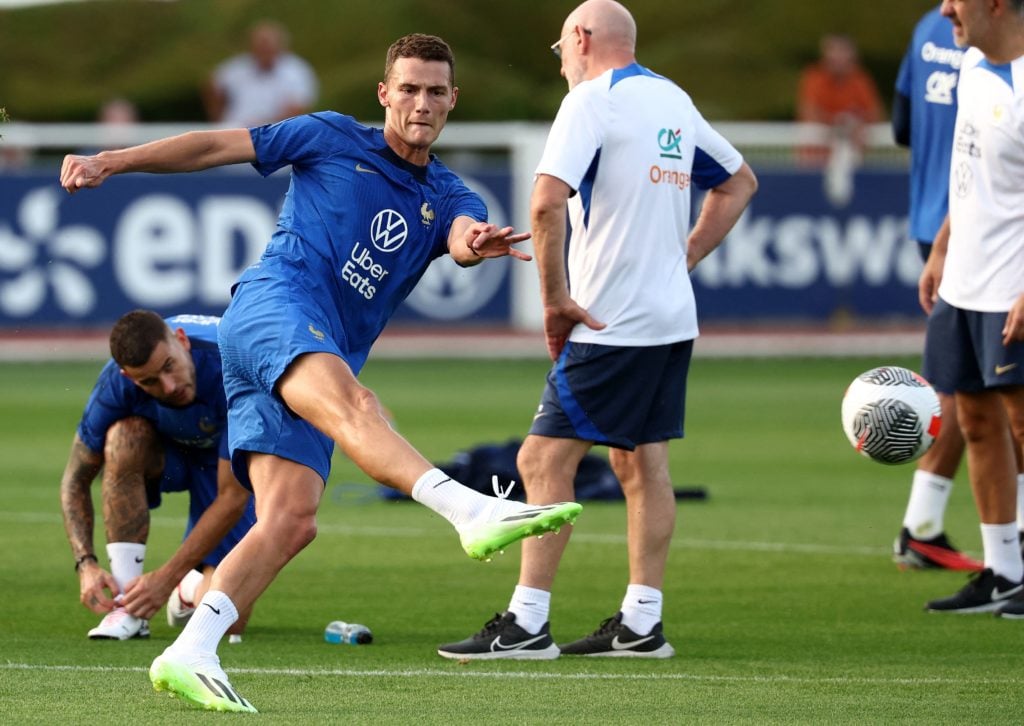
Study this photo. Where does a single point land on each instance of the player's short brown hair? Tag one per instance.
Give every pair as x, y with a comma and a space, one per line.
421, 47
134, 337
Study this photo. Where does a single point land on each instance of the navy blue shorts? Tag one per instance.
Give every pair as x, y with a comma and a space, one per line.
196, 473
616, 396
271, 321
964, 351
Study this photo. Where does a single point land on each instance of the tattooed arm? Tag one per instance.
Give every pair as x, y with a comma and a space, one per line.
76, 504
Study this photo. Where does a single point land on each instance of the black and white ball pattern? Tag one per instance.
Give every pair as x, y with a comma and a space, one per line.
891, 414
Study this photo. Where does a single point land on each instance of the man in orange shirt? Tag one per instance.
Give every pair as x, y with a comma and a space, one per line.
837, 91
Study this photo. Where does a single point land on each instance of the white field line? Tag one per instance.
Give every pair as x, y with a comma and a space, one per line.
678, 543
532, 675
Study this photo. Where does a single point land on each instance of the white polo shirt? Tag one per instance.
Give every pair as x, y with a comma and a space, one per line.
631, 143
984, 268
256, 96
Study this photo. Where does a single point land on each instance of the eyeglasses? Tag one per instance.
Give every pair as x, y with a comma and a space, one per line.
556, 47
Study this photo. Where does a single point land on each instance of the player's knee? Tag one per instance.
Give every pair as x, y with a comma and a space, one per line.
129, 442
299, 535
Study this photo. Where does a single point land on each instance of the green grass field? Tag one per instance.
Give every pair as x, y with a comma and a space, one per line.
781, 600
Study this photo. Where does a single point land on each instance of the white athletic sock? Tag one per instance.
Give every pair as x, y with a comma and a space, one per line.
188, 586
126, 559
457, 503
204, 630
641, 608
1002, 550
926, 510
531, 607
1020, 502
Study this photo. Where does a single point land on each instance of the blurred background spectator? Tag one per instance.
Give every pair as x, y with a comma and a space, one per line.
838, 92
266, 84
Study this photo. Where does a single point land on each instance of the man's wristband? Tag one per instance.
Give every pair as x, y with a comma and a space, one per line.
83, 558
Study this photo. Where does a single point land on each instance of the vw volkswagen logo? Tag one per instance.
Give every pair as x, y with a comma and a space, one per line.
388, 230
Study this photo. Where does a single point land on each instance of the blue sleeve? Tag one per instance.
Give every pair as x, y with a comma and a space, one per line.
108, 403
461, 201
707, 172
299, 140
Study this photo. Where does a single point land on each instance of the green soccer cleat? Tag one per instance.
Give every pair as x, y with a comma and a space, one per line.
513, 521
203, 686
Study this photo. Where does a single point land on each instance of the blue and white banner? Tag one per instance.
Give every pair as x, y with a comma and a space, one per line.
176, 243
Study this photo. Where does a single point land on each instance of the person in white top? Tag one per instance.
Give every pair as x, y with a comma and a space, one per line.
624, 153
265, 85
973, 288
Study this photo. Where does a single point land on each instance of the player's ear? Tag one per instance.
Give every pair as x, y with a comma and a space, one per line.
455, 97
382, 94
182, 337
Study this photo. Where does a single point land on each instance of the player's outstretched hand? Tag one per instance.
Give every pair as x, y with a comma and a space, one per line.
559, 320
81, 171
97, 588
486, 240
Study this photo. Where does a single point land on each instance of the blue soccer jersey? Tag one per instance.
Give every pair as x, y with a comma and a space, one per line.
195, 436
199, 426
358, 218
928, 78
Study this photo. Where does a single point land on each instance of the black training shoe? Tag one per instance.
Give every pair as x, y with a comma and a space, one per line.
986, 592
613, 639
938, 552
502, 638
1012, 609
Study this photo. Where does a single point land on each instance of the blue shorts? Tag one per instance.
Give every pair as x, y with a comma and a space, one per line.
270, 322
616, 396
195, 472
964, 351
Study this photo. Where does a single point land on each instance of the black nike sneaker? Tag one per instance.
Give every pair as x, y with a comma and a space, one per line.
985, 593
502, 638
613, 639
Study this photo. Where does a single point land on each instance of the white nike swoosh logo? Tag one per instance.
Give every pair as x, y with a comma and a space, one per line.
360, 167
498, 645
996, 595
619, 645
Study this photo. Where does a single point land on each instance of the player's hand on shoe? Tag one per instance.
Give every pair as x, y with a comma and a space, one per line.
487, 240
145, 595
97, 588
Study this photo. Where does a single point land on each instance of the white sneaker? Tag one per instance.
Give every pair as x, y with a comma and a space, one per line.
509, 521
119, 625
200, 681
181, 603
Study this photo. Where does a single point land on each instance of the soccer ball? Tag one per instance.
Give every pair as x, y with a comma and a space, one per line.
891, 414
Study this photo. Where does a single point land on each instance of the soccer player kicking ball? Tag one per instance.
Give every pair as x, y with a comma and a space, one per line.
366, 212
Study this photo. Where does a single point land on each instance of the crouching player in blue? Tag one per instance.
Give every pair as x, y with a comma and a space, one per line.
366, 212
156, 422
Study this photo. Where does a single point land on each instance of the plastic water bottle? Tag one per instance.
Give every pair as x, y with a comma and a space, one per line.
338, 631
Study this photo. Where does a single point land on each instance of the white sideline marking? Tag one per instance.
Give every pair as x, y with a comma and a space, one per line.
678, 543
530, 675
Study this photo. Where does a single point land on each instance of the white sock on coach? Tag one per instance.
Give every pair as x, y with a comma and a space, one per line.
926, 510
1002, 550
204, 630
126, 561
641, 608
531, 607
